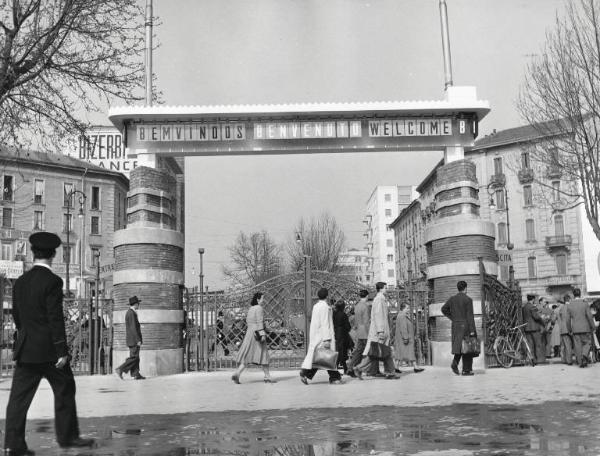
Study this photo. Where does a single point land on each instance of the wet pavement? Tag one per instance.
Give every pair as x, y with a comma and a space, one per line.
546, 410
552, 428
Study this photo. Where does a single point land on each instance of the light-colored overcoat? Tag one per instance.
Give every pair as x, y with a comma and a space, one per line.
321, 328
379, 322
362, 318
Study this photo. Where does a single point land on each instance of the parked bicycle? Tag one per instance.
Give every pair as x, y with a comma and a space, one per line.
513, 347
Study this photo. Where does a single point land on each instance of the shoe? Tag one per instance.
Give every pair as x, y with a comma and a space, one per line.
357, 373
351, 373
454, 368
78, 443
392, 377
468, 373
269, 380
398, 371
379, 374
337, 381
10, 452
139, 377
584, 362
119, 373
418, 369
303, 379
236, 379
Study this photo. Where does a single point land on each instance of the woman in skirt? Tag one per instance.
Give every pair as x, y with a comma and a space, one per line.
254, 347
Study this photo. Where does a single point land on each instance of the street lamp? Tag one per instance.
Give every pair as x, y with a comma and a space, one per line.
82, 197
200, 320
307, 291
492, 188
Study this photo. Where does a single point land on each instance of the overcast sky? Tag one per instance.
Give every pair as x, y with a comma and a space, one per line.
290, 51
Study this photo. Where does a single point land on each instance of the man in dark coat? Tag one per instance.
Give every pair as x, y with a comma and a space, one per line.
533, 324
459, 309
41, 351
581, 324
566, 340
133, 338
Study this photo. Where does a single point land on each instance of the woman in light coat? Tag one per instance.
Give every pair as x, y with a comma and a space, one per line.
254, 351
321, 331
404, 340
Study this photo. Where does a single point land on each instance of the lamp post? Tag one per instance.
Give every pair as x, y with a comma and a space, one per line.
82, 197
200, 320
492, 188
307, 292
95, 325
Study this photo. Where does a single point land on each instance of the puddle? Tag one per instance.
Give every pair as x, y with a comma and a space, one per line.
554, 428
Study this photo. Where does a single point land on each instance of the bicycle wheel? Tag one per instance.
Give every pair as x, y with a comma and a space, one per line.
504, 351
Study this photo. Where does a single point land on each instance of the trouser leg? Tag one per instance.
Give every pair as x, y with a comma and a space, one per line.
388, 365
65, 410
357, 353
467, 363
578, 346
308, 373
26, 379
540, 350
456, 360
334, 375
566, 343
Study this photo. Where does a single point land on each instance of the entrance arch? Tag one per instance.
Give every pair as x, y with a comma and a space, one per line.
149, 252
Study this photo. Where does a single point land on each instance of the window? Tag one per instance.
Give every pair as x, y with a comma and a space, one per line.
67, 223
504, 273
95, 228
38, 220
367, 277
388, 212
7, 252
388, 228
7, 217
502, 238
559, 225
38, 191
498, 165
525, 163
556, 191
554, 157
500, 200
95, 198
67, 254
390, 257
561, 264
527, 195
67, 195
387, 197
529, 230
531, 267
390, 242
7, 188
95, 256
390, 273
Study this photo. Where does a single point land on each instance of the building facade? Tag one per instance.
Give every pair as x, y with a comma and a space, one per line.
354, 265
82, 203
383, 206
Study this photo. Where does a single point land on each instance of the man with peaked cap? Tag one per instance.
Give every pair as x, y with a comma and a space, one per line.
133, 338
41, 351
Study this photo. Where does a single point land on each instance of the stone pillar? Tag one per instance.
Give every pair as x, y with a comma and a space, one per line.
149, 265
454, 241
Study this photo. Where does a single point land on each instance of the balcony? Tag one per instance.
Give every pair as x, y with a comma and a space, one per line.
553, 171
554, 242
561, 280
497, 180
525, 175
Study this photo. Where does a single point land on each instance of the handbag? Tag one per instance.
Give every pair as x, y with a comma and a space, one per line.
257, 336
324, 358
471, 345
379, 351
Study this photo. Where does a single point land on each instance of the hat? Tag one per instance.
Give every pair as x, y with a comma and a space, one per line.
44, 240
134, 300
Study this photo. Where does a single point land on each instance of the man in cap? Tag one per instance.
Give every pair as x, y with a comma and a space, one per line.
133, 337
41, 351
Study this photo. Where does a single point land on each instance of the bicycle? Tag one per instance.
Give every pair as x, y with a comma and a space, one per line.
513, 347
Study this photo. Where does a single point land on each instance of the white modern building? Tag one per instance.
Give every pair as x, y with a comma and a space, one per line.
383, 206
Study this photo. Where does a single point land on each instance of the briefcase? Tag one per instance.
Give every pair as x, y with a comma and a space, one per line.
471, 345
324, 358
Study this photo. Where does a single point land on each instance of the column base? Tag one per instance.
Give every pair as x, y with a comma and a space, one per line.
154, 362
441, 355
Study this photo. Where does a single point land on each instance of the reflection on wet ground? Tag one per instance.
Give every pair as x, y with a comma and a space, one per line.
553, 428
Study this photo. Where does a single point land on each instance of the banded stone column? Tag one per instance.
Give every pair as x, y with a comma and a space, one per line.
149, 264
454, 241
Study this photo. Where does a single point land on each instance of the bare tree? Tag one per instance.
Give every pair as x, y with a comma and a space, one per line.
561, 100
322, 239
255, 257
62, 59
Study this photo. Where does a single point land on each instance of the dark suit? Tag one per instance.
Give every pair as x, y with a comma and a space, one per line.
133, 338
38, 314
581, 324
533, 323
459, 309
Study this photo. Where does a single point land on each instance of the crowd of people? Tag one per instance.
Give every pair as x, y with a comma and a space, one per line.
568, 329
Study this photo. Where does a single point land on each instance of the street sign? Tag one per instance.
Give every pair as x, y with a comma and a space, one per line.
504, 257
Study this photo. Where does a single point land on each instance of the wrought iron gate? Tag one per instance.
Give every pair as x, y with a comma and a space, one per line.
216, 325
501, 310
